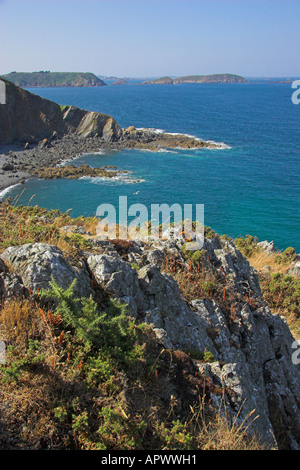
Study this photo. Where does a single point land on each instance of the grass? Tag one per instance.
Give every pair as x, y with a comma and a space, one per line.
32, 224
281, 291
198, 279
82, 374
78, 377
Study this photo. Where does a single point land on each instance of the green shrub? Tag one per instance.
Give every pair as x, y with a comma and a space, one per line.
110, 334
287, 256
247, 245
16, 366
284, 292
174, 436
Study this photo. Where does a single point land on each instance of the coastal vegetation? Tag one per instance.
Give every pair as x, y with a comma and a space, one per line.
280, 288
54, 79
81, 373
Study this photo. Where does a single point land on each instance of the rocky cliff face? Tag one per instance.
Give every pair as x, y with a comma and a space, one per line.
251, 349
29, 118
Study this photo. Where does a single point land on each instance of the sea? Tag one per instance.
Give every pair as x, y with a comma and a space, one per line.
248, 185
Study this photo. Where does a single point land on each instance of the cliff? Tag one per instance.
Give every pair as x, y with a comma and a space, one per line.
151, 347
27, 117
215, 78
54, 79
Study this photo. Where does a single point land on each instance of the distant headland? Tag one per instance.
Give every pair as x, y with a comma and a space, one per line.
54, 79
215, 78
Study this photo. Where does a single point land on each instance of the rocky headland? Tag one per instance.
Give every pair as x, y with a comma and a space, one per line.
37, 133
54, 79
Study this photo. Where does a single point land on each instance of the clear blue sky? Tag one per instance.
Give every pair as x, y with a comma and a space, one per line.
151, 37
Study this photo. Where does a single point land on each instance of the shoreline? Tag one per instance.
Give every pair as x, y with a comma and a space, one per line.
18, 163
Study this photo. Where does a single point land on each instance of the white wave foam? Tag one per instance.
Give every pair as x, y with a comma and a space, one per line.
151, 129
121, 178
218, 145
184, 135
6, 191
68, 160
158, 150
99, 152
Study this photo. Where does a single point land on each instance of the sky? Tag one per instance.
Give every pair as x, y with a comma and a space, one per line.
151, 38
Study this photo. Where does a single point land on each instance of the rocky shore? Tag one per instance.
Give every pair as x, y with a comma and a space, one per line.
51, 134
19, 162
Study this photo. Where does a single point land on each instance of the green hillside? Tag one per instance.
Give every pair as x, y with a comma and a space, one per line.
54, 79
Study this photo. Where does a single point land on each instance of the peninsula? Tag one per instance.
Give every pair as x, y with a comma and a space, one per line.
54, 79
52, 133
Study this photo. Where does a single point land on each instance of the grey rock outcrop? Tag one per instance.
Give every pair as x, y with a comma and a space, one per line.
11, 285
253, 352
294, 270
267, 246
119, 278
36, 263
252, 348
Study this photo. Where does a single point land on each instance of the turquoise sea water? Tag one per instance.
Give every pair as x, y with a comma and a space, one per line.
251, 187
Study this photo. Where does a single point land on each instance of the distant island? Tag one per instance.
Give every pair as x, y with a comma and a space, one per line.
120, 81
54, 79
215, 78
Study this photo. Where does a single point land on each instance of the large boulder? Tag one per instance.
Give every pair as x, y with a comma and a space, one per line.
169, 313
119, 278
36, 263
11, 285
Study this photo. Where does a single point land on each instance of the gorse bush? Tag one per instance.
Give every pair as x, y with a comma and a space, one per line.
111, 333
287, 256
283, 293
28, 361
247, 245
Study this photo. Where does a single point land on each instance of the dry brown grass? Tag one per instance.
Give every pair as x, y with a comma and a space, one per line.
19, 321
260, 259
29, 418
202, 281
220, 434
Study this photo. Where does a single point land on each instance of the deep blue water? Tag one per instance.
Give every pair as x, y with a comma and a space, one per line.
253, 187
